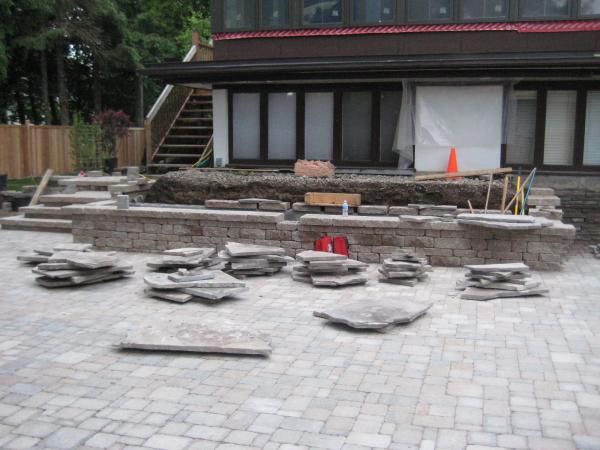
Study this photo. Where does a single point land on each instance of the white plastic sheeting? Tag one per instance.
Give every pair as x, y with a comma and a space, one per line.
405, 132
469, 118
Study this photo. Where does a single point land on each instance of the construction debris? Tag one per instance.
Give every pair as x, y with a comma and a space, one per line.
304, 168
404, 269
253, 260
79, 268
178, 336
186, 258
41, 256
324, 269
491, 281
208, 286
375, 316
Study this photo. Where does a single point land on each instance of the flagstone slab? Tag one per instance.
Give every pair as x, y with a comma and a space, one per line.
33, 259
90, 260
313, 256
224, 337
236, 250
506, 218
171, 296
63, 274
72, 247
191, 252
483, 295
350, 279
502, 267
213, 294
375, 315
184, 275
81, 280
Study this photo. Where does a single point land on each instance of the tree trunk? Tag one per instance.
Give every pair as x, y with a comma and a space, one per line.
139, 102
63, 92
35, 112
97, 89
21, 114
46, 111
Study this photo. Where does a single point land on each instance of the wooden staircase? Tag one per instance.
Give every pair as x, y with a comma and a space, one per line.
188, 136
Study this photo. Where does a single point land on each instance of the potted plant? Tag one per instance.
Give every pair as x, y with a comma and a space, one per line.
114, 125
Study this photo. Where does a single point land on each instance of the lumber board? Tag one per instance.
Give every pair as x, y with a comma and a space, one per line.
41, 187
331, 199
468, 173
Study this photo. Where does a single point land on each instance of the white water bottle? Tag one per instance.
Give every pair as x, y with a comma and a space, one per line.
345, 208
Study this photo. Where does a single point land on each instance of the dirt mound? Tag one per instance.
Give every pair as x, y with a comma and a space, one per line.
195, 187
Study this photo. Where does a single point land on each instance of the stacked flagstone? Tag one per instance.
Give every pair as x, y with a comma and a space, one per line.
209, 286
253, 260
490, 281
79, 268
185, 258
41, 256
324, 269
405, 269
595, 250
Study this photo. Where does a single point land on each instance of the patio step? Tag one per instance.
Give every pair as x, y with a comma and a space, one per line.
79, 198
45, 212
26, 224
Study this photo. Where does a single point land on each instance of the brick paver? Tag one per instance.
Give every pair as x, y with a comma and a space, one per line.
512, 374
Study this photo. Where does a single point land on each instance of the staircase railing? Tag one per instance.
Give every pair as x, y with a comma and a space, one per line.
169, 104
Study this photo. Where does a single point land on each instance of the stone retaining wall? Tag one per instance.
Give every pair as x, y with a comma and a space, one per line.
371, 239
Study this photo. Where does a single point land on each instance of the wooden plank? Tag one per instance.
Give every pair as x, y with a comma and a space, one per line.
331, 199
41, 187
504, 193
469, 173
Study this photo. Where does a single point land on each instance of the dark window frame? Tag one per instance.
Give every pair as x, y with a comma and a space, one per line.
401, 16
300, 91
573, 6
451, 19
291, 23
255, 20
582, 89
461, 7
344, 17
395, 16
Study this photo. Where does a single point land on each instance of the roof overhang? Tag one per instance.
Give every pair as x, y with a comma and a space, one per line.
585, 65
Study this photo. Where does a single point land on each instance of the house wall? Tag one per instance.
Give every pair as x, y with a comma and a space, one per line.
221, 126
483, 42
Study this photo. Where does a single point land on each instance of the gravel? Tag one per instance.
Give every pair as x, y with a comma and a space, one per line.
195, 187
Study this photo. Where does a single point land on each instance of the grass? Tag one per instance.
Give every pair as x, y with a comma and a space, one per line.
17, 185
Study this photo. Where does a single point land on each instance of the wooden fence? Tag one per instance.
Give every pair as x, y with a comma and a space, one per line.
28, 150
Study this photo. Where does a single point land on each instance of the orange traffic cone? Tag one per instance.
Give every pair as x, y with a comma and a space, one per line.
452, 162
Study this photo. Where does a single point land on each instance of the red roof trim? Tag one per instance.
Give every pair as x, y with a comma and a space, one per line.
520, 27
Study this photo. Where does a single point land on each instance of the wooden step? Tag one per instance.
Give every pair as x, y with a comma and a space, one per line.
178, 155
25, 224
171, 166
191, 128
192, 119
197, 110
188, 136
180, 146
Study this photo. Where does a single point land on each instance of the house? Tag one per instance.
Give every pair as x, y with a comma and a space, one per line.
388, 83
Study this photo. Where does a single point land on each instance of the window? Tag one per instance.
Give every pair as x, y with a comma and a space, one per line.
589, 7
521, 146
282, 126
484, 9
246, 126
591, 150
318, 128
317, 12
544, 8
373, 11
275, 13
238, 14
428, 10
560, 128
356, 126
391, 102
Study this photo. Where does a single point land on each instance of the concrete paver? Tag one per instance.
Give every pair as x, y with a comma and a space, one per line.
513, 373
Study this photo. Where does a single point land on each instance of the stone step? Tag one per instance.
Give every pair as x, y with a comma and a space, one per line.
543, 200
103, 182
27, 224
45, 212
544, 192
81, 197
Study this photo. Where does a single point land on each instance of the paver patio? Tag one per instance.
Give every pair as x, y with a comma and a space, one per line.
511, 373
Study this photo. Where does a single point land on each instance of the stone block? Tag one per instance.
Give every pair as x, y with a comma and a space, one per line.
455, 244
278, 235
288, 225
252, 233
373, 210
446, 261
130, 227
365, 239
402, 211
303, 207
222, 204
